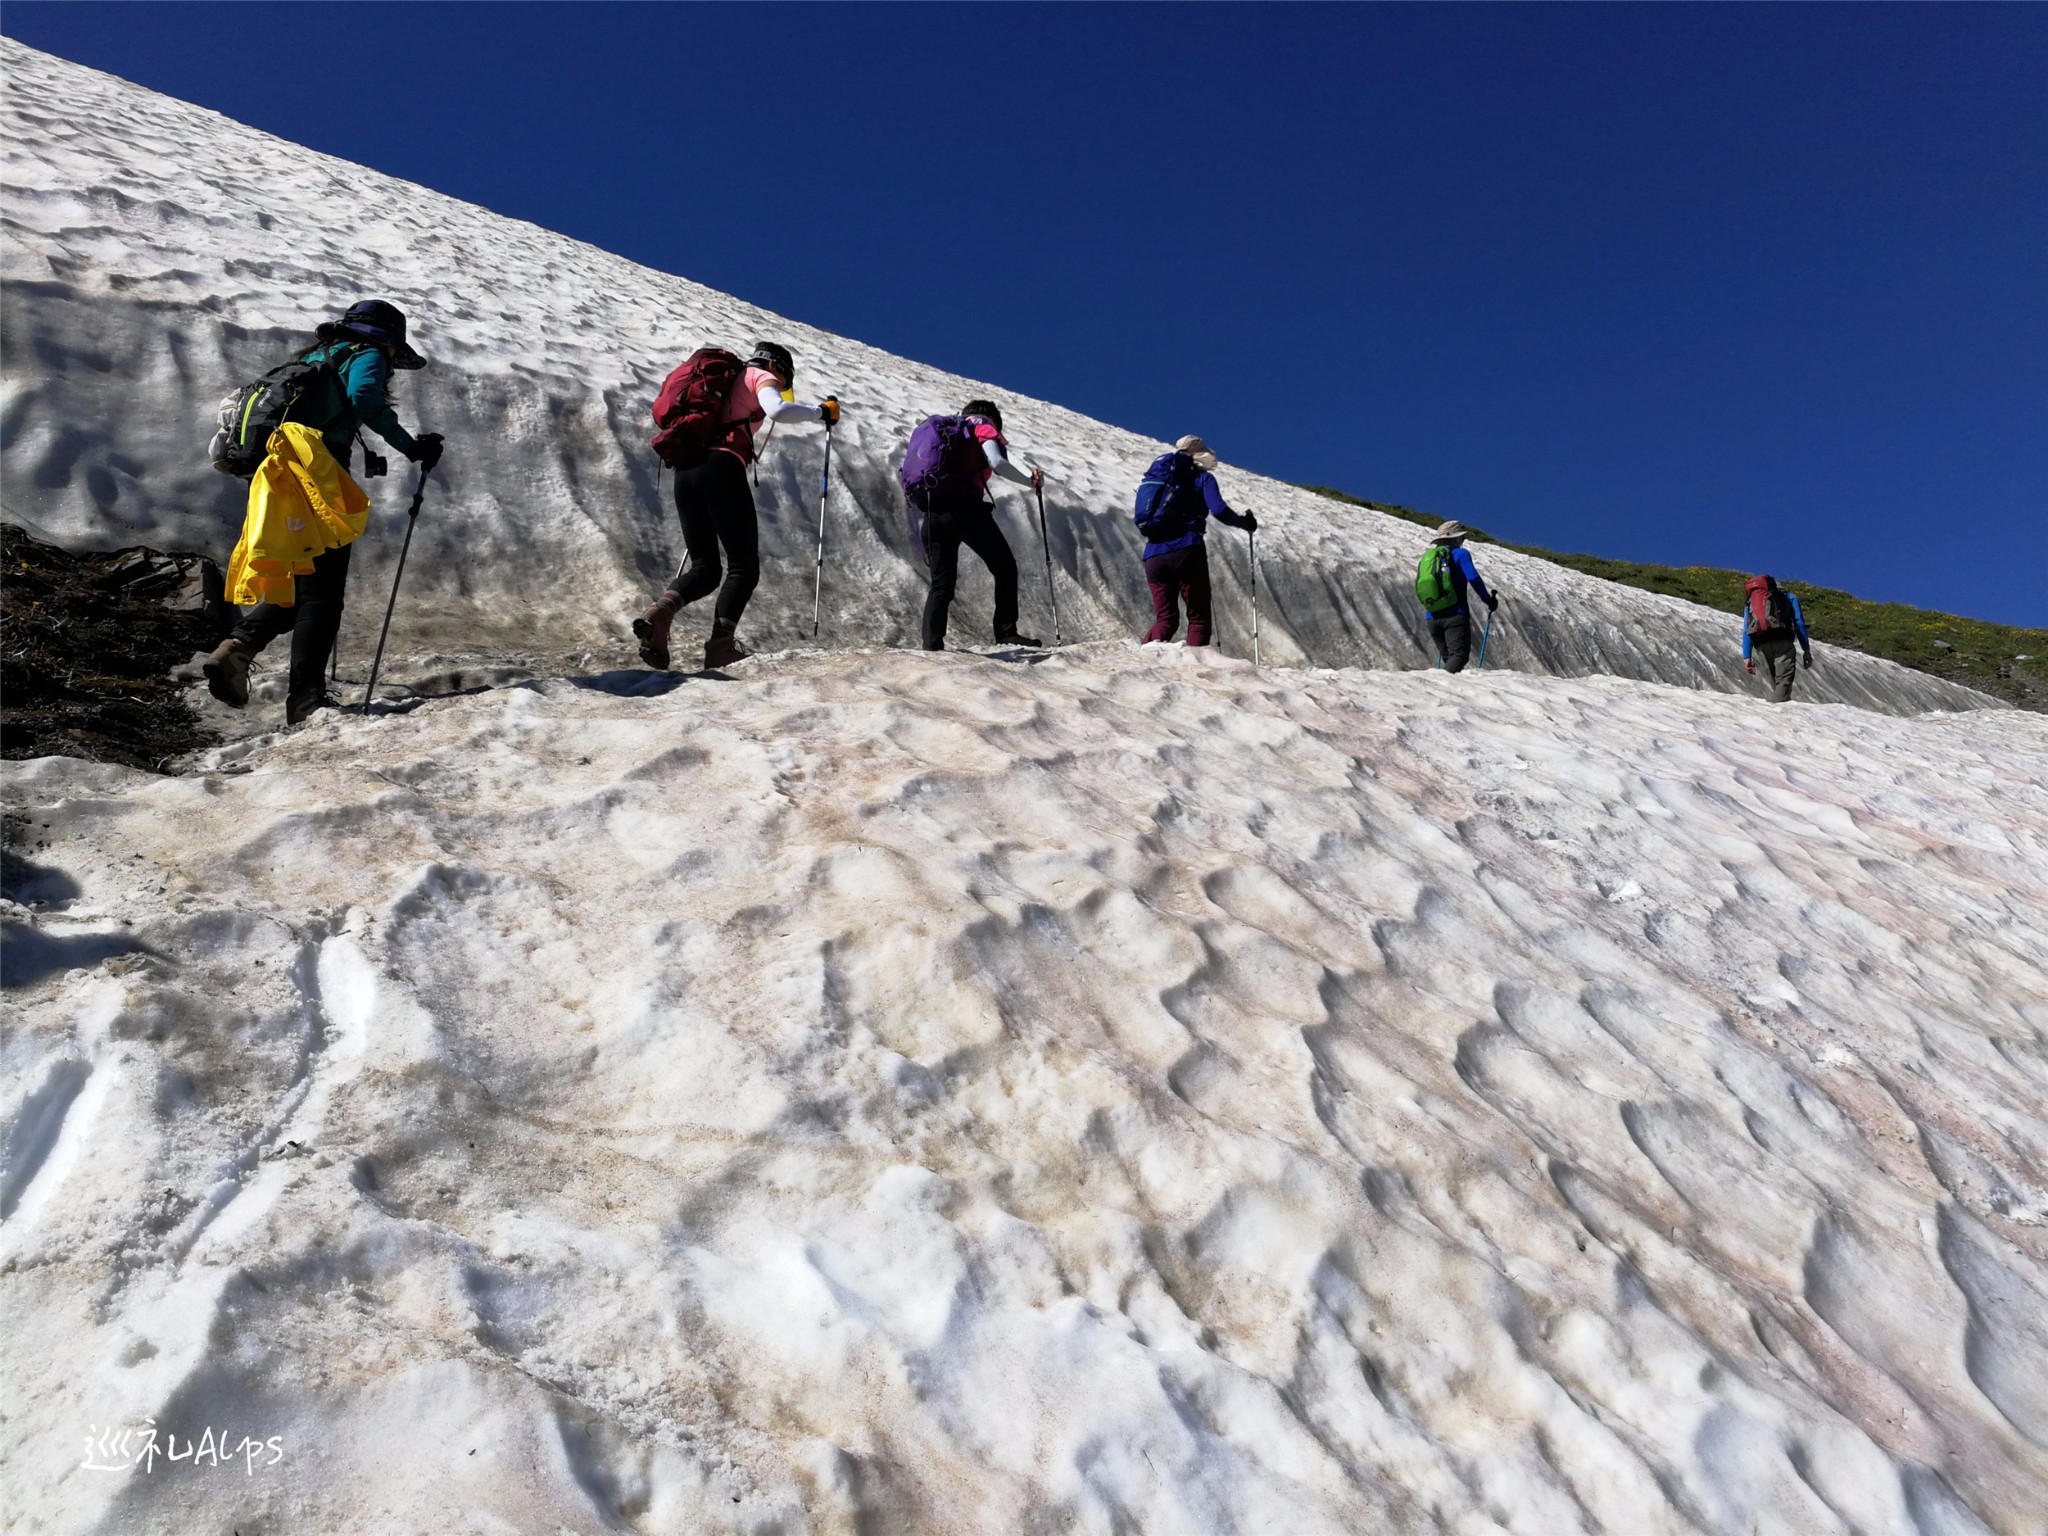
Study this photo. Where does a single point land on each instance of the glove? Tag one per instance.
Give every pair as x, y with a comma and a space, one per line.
830, 407
1750, 666
1492, 601
1251, 523
426, 451
1809, 661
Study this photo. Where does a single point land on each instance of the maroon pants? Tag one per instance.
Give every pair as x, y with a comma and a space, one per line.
1183, 574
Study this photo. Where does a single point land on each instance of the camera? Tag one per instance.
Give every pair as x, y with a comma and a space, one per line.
374, 464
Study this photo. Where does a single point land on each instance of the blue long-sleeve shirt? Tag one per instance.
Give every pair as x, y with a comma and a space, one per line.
366, 383
1798, 623
1464, 574
1213, 504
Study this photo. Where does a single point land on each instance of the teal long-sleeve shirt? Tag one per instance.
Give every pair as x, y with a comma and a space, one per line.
366, 383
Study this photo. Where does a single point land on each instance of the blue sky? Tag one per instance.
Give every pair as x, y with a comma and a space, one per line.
1756, 286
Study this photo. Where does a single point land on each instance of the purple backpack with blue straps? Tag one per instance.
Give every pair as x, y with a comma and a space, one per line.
943, 461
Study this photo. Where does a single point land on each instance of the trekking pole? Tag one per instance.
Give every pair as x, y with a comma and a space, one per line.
412, 518
1485, 635
1252, 552
1045, 538
824, 490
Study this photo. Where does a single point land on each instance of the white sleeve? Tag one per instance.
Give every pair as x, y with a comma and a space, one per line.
999, 461
775, 408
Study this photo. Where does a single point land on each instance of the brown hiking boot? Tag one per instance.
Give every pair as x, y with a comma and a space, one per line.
227, 673
723, 648
651, 630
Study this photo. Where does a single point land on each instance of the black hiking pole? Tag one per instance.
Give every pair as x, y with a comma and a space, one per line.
1252, 553
1045, 538
412, 517
824, 490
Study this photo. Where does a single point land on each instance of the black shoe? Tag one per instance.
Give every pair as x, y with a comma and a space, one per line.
302, 704
1013, 638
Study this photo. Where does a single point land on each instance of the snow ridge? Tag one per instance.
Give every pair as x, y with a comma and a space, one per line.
155, 254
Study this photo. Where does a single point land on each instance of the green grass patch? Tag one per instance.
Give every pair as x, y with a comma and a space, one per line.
2003, 660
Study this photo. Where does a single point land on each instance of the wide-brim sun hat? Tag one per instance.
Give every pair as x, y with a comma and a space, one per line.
1197, 450
380, 324
1452, 530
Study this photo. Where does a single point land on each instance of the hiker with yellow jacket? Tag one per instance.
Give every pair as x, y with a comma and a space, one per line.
290, 570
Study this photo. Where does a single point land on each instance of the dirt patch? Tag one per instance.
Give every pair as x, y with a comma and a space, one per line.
87, 644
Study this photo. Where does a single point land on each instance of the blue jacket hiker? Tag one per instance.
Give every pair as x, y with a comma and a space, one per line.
364, 345
1442, 577
1176, 499
1772, 625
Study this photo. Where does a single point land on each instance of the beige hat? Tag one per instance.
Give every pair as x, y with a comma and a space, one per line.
1197, 450
1451, 530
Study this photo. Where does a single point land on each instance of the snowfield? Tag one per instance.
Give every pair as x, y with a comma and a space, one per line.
154, 255
1118, 1090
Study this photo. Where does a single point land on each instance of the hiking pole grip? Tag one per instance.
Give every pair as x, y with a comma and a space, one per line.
412, 518
824, 491
1045, 538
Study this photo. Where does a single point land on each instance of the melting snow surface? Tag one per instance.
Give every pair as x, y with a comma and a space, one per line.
1116, 1091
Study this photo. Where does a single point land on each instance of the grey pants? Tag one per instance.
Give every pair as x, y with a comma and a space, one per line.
1453, 636
1777, 661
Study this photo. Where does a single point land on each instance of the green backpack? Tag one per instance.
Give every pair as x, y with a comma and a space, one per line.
1436, 582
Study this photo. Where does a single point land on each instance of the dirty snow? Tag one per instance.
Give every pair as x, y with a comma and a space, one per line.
1119, 1091
1114, 1091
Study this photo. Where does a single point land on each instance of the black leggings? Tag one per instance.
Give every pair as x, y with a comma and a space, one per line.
947, 526
314, 619
716, 506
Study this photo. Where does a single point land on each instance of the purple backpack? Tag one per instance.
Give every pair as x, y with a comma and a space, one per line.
944, 460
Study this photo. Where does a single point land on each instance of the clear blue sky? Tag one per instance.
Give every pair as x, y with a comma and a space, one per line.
1757, 286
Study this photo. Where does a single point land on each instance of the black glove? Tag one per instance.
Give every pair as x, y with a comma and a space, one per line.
426, 451
1492, 602
1251, 523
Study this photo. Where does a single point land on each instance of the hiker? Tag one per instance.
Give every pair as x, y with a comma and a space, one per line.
945, 488
1176, 499
1771, 625
362, 348
714, 403
1442, 577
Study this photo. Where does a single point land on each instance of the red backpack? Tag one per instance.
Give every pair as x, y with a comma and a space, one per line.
690, 410
1770, 610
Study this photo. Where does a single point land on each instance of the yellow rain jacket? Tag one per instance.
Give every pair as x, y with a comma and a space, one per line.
302, 503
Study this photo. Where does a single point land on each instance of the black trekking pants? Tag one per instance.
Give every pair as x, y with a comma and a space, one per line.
314, 619
1452, 633
947, 526
716, 506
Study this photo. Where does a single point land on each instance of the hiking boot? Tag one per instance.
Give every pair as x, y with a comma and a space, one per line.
651, 630
304, 702
1013, 638
723, 648
227, 673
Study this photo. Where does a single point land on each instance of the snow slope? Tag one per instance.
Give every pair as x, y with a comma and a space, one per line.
1123, 1091
155, 254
